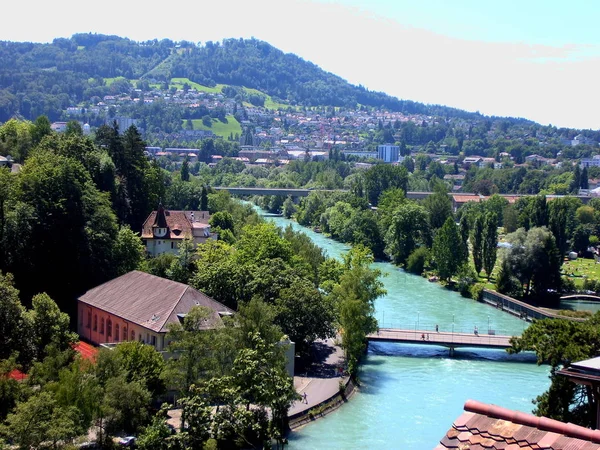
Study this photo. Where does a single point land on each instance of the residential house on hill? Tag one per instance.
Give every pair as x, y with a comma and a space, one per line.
163, 230
138, 306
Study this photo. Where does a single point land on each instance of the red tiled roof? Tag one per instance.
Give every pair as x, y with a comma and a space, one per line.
150, 301
484, 426
16, 374
179, 223
87, 351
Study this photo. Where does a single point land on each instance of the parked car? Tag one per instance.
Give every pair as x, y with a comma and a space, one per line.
128, 441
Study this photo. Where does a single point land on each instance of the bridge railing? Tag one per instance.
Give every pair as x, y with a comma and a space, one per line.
444, 327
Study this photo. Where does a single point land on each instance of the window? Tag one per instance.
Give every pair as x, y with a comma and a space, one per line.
89, 320
109, 328
172, 244
153, 340
102, 325
117, 333
133, 335
95, 322
124, 333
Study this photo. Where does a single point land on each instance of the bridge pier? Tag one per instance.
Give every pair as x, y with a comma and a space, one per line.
451, 351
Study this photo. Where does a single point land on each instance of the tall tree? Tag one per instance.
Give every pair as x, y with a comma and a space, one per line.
490, 243
447, 254
477, 243
409, 229
439, 206
355, 295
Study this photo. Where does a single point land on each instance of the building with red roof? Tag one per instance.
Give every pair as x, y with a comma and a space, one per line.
163, 230
483, 426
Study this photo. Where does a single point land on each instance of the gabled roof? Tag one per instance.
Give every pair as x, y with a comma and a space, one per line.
179, 223
150, 301
484, 426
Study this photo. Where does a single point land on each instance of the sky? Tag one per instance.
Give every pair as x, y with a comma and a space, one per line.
537, 59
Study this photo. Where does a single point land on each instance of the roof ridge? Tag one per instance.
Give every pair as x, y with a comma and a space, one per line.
187, 286
542, 423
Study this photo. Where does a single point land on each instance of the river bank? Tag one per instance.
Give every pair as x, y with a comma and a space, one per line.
410, 394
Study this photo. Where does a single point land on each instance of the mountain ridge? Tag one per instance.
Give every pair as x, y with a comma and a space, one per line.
69, 69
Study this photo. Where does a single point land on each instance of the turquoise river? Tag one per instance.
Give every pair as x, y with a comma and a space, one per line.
411, 394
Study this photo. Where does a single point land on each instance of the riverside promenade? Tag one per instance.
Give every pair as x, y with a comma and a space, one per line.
321, 380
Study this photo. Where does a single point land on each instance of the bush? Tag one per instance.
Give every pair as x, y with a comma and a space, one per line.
477, 291
466, 279
417, 260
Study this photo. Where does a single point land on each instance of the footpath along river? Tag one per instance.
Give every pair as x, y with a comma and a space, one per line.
411, 394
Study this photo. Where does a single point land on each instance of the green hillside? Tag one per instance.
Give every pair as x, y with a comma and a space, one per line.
232, 127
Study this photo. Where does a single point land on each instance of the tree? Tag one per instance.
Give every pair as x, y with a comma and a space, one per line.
128, 251
304, 315
447, 255
409, 229
222, 220
382, 177
560, 342
39, 419
125, 405
477, 243
142, 363
49, 326
534, 260
185, 169
14, 327
157, 435
355, 295
182, 267
204, 199
439, 206
490, 243
289, 208
417, 260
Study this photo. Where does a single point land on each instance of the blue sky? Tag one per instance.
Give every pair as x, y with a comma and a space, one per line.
529, 58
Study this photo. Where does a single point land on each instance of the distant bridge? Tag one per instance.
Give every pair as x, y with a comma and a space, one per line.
446, 339
580, 296
458, 198
272, 191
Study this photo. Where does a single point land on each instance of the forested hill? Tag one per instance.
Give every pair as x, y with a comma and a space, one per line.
38, 79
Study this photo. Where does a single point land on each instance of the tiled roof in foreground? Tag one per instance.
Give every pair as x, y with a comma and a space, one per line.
484, 426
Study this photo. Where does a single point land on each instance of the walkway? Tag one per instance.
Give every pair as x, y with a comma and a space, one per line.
321, 381
442, 338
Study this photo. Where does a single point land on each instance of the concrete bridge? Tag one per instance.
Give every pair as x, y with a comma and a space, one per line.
458, 198
446, 339
580, 297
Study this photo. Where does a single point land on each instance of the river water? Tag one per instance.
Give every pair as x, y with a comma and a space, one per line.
411, 394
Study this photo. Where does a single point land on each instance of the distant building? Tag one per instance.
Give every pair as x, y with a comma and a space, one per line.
163, 230
388, 153
59, 127
591, 162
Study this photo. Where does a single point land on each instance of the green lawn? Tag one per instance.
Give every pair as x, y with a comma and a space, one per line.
179, 82
269, 102
110, 81
580, 269
219, 128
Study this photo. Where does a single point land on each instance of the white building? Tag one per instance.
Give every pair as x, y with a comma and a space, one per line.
388, 153
163, 230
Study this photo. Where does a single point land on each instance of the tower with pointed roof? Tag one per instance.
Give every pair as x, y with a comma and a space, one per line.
160, 228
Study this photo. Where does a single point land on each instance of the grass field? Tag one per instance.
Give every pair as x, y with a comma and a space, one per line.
110, 81
179, 82
580, 269
219, 128
269, 103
